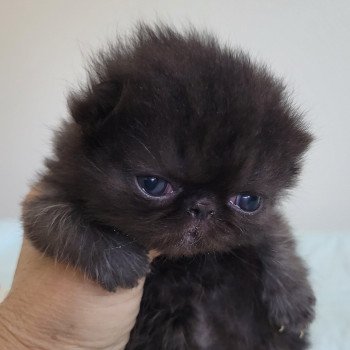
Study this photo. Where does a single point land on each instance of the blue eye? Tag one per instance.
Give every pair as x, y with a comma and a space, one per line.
154, 186
246, 202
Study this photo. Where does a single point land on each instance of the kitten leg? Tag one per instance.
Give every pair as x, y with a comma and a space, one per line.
287, 293
58, 229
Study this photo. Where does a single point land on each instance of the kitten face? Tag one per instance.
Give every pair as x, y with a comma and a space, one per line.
184, 146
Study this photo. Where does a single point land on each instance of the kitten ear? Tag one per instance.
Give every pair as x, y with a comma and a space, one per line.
92, 107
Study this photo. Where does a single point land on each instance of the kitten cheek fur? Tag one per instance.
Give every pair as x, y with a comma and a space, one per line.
215, 124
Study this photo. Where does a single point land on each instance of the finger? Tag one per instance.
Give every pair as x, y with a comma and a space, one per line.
153, 254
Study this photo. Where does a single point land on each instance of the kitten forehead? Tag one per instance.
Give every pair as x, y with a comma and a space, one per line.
224, 137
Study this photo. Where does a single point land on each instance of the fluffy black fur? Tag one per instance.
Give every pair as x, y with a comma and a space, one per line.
214, 124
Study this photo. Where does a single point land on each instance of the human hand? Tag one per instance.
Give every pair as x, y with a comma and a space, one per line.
52, 306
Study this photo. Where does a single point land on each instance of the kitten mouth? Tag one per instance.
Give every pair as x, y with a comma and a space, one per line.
191, 237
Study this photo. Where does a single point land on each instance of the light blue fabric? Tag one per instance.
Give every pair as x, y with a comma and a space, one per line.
10, 243
328, 256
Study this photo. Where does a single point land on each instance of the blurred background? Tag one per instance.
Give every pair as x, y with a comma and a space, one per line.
45, 44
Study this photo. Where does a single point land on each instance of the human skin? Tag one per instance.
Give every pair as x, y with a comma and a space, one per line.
52, 306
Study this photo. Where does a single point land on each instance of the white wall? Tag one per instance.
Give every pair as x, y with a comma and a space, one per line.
306, 41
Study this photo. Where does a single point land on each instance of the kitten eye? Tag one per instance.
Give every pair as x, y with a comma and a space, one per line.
154, 186
246, 202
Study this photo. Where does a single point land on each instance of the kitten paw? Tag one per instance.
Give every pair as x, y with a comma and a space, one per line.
59, 230
119, 262
291, 313
282, 329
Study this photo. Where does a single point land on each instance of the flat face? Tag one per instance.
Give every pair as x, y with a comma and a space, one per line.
197, 146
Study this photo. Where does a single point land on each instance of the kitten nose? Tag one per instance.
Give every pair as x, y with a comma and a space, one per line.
201, 210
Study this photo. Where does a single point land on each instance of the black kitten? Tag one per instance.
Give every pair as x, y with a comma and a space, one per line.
182, 146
